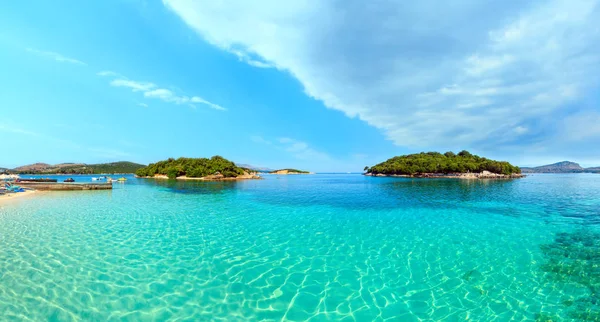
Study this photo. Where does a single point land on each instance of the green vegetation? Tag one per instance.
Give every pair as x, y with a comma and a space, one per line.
192, 167
434, 162
291, 170
114, 167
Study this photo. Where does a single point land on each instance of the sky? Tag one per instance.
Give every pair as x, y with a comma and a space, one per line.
327, 86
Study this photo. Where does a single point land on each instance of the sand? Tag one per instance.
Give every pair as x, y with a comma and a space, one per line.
10, 197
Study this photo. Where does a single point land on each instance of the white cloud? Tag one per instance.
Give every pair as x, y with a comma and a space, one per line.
301, 150
56, 56
428, 74
142, 104
297, 149
260, 139
9, 127
582, 126
521, 130
245, 57
151, 90
198, 99
135, 86
108, 73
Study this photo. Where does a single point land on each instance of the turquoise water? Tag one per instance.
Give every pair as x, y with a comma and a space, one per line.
315, 247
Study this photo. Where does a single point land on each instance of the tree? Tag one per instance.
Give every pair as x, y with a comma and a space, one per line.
465, 153
433, 162
192, 167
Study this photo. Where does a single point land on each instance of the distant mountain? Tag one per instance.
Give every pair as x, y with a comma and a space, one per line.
79, 168
251, 167
560, 167
32, 167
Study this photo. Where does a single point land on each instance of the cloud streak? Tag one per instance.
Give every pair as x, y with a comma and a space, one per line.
56, 56
480, 72
44, 138
296, 148
153, 91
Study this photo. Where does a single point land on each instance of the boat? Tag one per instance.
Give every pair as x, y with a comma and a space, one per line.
122, 179
69, 180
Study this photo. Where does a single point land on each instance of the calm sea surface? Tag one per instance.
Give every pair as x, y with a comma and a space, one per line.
314, 247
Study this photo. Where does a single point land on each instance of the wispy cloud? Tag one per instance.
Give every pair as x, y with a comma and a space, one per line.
142, 104
296, 148
153, 91
56, 56
260, 139
5, 127
133, 85
301, 150
108, 73
246, 57
106, 153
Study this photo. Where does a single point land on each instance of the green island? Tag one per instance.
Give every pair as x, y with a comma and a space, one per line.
449, 164
215, 168
289, 171
79, 168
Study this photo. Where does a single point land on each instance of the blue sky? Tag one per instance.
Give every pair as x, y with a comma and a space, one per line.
322, 85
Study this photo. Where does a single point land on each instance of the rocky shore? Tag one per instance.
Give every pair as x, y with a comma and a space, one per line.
285, 171
216, 177
470, 175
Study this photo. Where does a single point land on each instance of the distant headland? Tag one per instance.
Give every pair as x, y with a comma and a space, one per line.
76, 168
561, 167
216, 168
290, 171
462, 165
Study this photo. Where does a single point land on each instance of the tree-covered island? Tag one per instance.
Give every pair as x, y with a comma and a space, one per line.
215, 168
289, 171
449, 164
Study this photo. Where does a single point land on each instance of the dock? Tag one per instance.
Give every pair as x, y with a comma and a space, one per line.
65, 186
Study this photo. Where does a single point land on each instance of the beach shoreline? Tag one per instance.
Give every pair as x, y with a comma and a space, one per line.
11, 197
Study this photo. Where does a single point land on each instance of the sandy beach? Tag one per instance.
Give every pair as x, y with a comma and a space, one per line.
10, 197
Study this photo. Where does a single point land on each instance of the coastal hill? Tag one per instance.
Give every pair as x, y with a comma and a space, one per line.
560, 167
254, 168
78, 168
36, 167
289, 171
215, 168
449, 164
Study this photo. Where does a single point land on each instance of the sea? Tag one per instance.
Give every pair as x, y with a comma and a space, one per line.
323, 247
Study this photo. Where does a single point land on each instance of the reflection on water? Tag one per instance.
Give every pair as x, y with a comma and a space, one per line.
193, 186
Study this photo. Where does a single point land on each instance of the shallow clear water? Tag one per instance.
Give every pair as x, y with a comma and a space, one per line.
319, 247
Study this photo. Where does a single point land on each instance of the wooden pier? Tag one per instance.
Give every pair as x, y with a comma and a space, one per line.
65, 186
